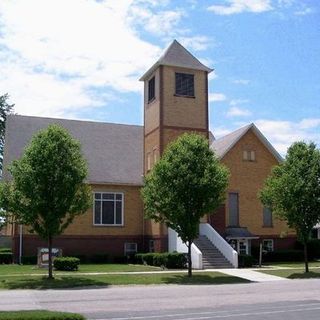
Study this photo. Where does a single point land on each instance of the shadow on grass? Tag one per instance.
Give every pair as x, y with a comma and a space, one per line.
203, 279
57, 283
304, 275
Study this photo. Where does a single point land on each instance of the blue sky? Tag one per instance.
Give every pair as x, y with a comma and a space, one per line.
83, 58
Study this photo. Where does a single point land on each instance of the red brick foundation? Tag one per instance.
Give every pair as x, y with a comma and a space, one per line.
278, 243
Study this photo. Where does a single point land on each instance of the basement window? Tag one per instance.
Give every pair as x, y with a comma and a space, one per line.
185, 84
130, 248
267, 245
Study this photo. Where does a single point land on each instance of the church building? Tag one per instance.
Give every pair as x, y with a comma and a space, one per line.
118, 156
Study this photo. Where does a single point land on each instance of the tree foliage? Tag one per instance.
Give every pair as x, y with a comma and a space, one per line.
5, 109
185, 184
292, 190
47, 189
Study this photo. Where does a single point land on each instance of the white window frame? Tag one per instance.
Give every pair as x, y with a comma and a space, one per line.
272, 244
249, 155
131, 252
114, 217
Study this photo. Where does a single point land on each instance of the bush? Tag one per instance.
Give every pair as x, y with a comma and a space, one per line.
313, 247
29, 260
5, 250
245, 261
6, 257
283, 256
173, 260
66, 263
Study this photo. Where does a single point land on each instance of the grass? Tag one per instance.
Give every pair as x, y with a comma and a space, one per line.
296, 265
39, 315
73, 281
294, 273
15, 269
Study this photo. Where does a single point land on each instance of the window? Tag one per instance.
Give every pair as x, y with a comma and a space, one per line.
249, 155
233, 209
151, 89
108, 208
185, 84
267, 245
267, 217
154, 155
130, 248
151, 246
148, 161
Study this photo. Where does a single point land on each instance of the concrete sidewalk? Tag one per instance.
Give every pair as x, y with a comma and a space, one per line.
251, 275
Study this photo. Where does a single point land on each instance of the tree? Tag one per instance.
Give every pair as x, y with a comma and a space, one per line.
47, 189
5, 109
184, 185
292, 191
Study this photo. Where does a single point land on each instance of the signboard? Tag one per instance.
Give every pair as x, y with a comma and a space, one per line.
43, 256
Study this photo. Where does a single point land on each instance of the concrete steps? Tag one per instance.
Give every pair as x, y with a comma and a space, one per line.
212, 258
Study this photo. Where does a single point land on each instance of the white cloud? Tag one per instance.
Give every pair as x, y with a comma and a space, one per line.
215, 97
283, 133
239, 6
241, 81
196, 43
238, 112
212, 75
236, 102
65, 54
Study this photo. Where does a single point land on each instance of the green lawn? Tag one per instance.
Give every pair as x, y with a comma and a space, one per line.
15, 269
294, 273
74, 280
295, 265
39, 315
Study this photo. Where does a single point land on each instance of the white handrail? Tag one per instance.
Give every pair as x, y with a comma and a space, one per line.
221, 244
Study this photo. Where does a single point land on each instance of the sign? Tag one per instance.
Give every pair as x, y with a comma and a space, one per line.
43, 256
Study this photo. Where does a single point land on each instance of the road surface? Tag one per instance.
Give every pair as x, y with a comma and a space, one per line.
295, 299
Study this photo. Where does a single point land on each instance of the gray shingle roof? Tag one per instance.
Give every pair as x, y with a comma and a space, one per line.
223, 145
114, 152
178, 56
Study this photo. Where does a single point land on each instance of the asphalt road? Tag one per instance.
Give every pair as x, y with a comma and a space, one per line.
295, 299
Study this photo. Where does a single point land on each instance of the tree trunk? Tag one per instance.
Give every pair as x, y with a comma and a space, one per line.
189, 259
306, 257
50, 276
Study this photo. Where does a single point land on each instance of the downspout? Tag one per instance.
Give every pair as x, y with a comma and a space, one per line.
20, 243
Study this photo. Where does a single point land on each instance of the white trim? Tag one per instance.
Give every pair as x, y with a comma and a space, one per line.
114, 216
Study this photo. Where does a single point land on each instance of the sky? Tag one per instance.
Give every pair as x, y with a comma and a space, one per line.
81, 59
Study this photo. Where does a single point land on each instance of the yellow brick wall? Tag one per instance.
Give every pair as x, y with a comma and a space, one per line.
184, 111
133, 215
247, 179
151, 145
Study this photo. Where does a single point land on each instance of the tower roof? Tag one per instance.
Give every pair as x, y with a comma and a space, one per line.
177, 56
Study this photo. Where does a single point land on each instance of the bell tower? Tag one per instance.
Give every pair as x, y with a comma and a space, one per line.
175, 102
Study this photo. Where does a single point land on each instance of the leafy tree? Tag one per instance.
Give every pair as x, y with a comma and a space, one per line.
185, 184
47, 190
5, 109
292, 190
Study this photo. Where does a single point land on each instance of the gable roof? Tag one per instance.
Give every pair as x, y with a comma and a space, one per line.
177, 56
223, 145
114, 152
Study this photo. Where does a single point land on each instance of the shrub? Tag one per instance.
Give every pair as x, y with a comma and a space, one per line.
245, 261
6, 257
313, 246
39, 315
283, 256
66, 263
173, 260
29, 260
176, 260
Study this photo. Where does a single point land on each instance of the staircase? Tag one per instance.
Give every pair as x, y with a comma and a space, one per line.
212, 258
